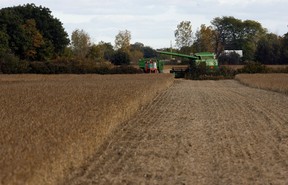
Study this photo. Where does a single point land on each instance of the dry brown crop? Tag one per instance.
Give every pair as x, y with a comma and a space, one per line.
274, 82
51, 124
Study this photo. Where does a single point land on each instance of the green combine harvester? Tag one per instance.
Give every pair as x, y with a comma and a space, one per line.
204, 58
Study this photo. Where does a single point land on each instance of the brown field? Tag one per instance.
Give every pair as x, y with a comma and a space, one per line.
235, 67
197, 132
49, 125
85, 129
274, 82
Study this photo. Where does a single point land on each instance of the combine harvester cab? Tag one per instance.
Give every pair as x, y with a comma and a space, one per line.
207, 58
151, 65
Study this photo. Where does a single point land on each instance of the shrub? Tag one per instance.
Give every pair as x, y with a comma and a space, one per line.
11, 64
253, 67
125, 70
278, 70
226, 72
39, 68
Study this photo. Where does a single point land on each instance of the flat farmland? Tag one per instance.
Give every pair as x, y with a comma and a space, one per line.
197, 132
274, 82
50, 124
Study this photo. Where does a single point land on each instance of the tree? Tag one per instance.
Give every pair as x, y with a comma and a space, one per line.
4, 43
269, 49
16, 21
149, 52
284, 56
183, 34
235, 34
137, 46
229, 58
34, 40
136, 52
227, 33
252, 32
100, 52
122, 40
80, 42
120, 58
205, 39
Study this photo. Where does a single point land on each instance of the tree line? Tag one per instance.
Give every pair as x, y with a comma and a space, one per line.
31, 39
229, 33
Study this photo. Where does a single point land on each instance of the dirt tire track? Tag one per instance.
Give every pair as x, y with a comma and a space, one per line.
197, 132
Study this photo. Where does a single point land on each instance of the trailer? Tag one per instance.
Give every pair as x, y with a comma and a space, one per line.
151, 65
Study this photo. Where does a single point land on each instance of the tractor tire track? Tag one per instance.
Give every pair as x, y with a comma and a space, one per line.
197, 132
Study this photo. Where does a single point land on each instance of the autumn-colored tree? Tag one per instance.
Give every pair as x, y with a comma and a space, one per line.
34, 40
205, 39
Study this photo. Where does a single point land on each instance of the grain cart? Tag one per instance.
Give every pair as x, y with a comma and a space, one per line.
151, 65
206, 58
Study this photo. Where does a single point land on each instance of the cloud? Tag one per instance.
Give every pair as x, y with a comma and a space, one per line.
153, 22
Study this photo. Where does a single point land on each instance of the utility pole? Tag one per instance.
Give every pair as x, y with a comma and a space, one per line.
171, 49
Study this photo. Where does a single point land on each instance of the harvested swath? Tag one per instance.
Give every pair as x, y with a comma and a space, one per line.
52, 124
274, 82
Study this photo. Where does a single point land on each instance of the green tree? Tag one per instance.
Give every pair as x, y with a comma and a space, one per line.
122, 40
136, 52
227, 33
149, 52
120, 58
15, 22
183, 34
81, 43
101, 51
252, 32
4, 42
284, 56
269, 49
235, 34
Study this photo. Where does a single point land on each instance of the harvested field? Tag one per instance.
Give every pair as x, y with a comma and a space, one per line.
197, 132
275, 67
51, 124
274, 82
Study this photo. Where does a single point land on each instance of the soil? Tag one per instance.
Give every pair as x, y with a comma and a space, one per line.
197, 132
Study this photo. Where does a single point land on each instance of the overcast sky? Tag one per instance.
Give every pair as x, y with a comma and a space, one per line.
153, 22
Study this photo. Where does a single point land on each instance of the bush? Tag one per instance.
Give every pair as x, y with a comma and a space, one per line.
121, 58
253, 67
125, 70
229, 58
59, 68
11, 64
226, 72
39, 68
278, 70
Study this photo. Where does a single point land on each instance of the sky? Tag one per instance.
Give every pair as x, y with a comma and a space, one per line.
153, 22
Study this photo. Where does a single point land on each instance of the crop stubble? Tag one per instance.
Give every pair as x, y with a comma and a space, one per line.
197, 132
50, 124
275, 82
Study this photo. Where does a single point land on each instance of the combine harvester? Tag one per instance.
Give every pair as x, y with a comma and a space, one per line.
204, 58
